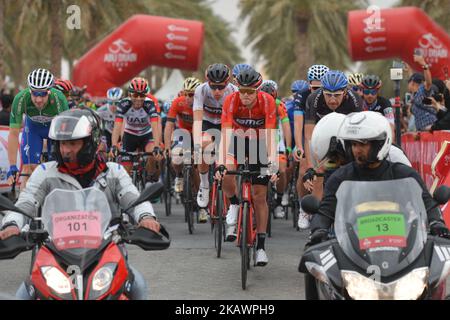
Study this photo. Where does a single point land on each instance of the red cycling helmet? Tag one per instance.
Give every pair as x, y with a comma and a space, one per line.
139, 85
65, 86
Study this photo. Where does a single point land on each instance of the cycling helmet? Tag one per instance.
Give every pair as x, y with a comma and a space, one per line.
74, 124
324, 142
334, 80
300, 86
354, 79
371, 81
316, 72
249, 78
217, 73
367, 126
239, 67
114, 94
65, 86
138, 85
40, 79
190, 84
270, 87
166, 106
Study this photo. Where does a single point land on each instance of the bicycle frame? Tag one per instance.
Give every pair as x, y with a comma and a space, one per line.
246, 197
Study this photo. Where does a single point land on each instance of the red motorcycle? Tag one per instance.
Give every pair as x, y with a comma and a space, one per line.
78, 252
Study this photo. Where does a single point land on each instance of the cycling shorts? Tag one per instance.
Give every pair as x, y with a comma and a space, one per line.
33, 140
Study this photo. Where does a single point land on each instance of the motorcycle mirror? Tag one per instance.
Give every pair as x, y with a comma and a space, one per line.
310, 204
152, 191
6, 204
442, 194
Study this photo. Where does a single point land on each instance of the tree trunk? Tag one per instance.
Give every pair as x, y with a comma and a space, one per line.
2, 42
56, 37
303, 51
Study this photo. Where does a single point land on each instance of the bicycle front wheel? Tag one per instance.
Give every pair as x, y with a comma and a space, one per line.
188, 207
245, 253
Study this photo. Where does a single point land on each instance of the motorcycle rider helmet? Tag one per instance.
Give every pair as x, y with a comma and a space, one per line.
74, 124
367, 127
324, 141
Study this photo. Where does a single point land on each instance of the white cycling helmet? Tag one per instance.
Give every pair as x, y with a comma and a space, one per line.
40, 79
114, 94
324, 137
367, 126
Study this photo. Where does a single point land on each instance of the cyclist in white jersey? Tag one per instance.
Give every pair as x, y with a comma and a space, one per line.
208, 101
108, 114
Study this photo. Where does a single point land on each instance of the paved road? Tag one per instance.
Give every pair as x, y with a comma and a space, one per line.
189, 269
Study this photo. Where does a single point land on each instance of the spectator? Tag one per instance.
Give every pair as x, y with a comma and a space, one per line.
6, 100
441, 102
420, 86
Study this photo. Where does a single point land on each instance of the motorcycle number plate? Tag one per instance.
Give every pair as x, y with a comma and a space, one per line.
77, 229
381, 230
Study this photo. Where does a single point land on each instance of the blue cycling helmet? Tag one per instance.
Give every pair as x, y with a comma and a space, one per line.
299, 86
334, 80
316, 72
239, 67
114, 94
166, 106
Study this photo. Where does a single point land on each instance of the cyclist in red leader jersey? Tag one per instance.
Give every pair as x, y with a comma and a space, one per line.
248, 118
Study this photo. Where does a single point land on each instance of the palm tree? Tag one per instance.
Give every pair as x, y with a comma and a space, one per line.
290, 35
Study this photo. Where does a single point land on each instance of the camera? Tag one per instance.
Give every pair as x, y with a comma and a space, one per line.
397, 71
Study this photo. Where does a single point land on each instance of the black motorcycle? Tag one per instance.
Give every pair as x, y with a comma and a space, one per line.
380, 249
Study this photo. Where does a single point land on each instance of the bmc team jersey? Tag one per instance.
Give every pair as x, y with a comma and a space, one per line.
179, 109
22, 104
137, 121
261, 116
212, 108
383, 106
316, 108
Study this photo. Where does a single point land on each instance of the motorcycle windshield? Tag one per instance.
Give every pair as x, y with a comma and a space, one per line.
381, 223
76, 219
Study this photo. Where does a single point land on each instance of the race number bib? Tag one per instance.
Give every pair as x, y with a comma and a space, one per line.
77, 229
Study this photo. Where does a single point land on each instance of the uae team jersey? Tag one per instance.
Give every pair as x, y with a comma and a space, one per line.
212, 108
137, 121
181, 111
261, 116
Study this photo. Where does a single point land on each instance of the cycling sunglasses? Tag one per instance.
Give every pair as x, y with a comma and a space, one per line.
247, 90
356, 88
189, 94
39, 93
333, 94
217, 86
138, 95
314, 88
370, 91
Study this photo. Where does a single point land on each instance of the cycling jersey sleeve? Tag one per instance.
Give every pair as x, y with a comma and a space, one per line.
173, 111
150, 108
199, 98
122, 109
227, 111
310, 117
282, 112
299, 108
270, 107
17, 110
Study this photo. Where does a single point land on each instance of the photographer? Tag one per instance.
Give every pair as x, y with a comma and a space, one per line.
439, 102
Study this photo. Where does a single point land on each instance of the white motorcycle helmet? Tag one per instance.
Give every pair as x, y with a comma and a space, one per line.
324, 137
367, 126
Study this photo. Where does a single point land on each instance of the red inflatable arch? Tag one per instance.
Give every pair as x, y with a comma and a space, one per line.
139, 42
388, 33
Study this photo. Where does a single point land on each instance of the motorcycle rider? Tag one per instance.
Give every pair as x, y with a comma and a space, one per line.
76, 137
367, 138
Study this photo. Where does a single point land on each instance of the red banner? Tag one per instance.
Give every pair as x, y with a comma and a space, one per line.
138, 43
398, 32
429, 154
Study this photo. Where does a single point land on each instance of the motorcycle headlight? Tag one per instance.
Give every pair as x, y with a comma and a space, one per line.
102, 280
411, 286
56, 280
359, 287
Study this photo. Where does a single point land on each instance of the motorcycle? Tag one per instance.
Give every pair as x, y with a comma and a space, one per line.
78, 252
381, 249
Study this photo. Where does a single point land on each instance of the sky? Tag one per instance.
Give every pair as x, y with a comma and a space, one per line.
228, 10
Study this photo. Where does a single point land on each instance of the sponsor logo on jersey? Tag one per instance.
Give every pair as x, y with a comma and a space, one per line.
250, 123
